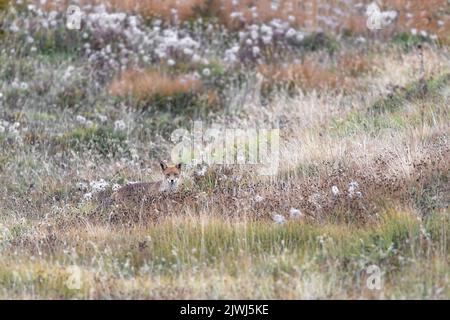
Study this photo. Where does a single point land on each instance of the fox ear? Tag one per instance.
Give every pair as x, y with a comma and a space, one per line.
178, 166
163, 165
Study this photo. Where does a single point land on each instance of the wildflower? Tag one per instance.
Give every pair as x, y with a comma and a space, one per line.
267, 39
300, 36
24, 86
291, 33
388, 16
87, 196
170, 62
206, 72
236, 15
2, 129
258, 198
80, 119
295, 213
279, 219
116, 187
256, 51
335, 191
202, 171
14, 28
188, 51
353, 189
1, 95
413, 31
98, 186
196, 58
82, 186
102, 118
361, 40
119, 125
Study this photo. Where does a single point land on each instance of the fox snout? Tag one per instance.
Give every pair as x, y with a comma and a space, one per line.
172, 180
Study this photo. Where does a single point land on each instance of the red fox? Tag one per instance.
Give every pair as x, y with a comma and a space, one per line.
170, 183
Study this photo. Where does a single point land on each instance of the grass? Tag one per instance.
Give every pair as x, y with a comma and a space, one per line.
141, 262
364, 156
101, 139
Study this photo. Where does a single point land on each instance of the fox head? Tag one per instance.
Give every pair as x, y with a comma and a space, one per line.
172, 175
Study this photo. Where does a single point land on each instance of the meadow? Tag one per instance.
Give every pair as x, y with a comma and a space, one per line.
362, 178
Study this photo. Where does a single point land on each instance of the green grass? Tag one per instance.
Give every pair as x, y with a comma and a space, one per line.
408, 41
414, 91
102, 139
388, 113
177, 251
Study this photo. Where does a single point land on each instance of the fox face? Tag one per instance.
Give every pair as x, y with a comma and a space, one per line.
172, 175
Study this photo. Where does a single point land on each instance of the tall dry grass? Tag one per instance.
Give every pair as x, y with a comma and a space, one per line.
143, 85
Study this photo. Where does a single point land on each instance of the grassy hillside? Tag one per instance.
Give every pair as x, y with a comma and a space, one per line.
364, 162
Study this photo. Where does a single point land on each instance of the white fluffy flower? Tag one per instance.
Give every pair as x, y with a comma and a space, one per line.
267, 39
291, 33
87, 196
188, 51
206, 72
256, 51
279, 219
120, 125
353, 189
258, 198
236, 15
80, 119
98, 186
295, 213
299, 37
171, 62
202, 171
82, 186
335, 191
387, 17
24, 86
102, 118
